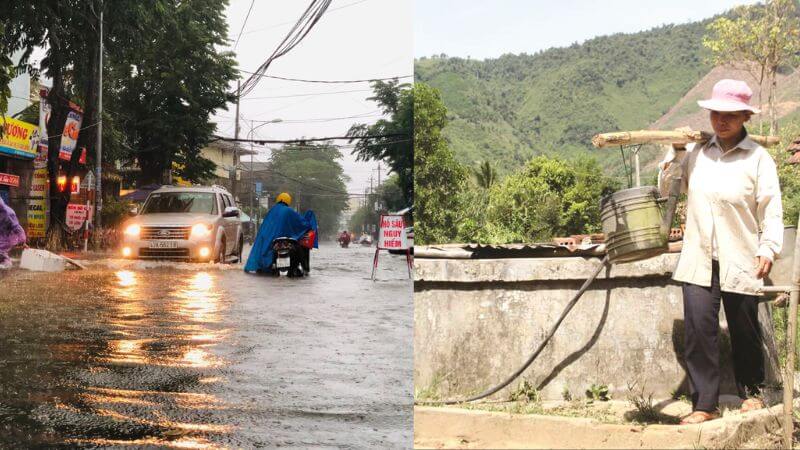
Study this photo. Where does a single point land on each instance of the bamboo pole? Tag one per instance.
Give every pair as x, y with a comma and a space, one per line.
791, 335
666, 137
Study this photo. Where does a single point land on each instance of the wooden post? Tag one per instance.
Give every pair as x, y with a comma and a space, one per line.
791, 335
375, 264
409, 262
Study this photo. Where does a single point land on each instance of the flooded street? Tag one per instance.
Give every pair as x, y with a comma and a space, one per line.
160, 354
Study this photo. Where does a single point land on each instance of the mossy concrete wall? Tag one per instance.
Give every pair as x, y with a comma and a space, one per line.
476, 321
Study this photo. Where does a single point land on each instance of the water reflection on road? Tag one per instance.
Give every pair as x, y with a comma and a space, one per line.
205, 356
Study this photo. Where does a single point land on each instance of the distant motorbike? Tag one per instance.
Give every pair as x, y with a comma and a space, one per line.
293, 256
344, 241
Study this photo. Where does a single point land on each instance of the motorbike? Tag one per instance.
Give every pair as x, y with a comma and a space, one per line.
344, 242
293, 256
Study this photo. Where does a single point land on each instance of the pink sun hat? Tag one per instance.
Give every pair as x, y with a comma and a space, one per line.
729, 95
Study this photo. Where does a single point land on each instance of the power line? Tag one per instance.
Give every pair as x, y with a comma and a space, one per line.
303, 141
342, 146
328, 119
309, 95
299, 31
310, 120
305, 183
277, 25
252, 2
256, 74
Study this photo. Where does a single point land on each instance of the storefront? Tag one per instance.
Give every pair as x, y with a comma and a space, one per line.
17, 152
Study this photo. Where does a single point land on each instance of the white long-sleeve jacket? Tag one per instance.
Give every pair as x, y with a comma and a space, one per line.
733, 214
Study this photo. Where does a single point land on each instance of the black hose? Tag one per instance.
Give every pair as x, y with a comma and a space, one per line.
536, 352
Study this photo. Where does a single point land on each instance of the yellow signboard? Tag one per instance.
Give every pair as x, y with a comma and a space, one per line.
19, 138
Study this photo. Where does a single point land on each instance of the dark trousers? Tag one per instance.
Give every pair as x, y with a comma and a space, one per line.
701, 326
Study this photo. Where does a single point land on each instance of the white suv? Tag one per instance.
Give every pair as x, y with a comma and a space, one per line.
194, 223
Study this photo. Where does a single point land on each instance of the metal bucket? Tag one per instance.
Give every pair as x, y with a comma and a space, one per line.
632, 222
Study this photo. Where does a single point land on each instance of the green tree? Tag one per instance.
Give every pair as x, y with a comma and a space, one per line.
485, 175
788, 174
69, 31
761, 39
439, 179
389, 196
548, 197
397, 101
314, 178
6, 75
162, 78
170, 85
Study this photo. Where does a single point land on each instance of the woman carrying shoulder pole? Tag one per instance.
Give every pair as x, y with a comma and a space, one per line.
734, 231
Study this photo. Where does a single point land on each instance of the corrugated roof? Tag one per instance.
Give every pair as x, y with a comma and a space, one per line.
491, 251
529, 250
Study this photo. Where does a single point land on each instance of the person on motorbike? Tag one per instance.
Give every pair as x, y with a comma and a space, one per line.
282, 221
344, 238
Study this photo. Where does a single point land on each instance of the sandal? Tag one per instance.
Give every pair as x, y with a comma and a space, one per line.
752, 404
699, 417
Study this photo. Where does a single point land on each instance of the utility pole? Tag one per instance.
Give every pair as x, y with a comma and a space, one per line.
99, 186
253, 213
379, 174
236, 143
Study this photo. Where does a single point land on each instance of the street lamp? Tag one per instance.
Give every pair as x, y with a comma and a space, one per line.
252, 152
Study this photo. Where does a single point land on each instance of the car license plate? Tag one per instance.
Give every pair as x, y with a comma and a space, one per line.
163, 244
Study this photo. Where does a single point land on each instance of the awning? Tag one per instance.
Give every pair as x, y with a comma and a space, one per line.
140, 195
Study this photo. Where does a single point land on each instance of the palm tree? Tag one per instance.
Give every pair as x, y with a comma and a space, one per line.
485, 175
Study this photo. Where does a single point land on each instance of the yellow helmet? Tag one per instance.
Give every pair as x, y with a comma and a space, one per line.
285, 198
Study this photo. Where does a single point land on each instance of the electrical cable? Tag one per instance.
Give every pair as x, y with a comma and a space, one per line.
397, 77
299, 31
308, 95
252, 2
605, 263
277, 25
303, 141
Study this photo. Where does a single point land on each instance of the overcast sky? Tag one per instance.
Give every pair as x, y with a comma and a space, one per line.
483, 29
355, 39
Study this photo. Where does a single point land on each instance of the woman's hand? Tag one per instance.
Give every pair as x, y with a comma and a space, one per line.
763, 266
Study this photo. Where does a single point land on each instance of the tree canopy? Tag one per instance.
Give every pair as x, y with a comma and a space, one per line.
397, 101
163, 76
314, 178
439, 178
760, 39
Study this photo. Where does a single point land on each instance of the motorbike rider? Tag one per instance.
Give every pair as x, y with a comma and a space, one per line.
281, 221
344, 238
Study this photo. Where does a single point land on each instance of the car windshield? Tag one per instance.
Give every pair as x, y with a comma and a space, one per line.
180, 202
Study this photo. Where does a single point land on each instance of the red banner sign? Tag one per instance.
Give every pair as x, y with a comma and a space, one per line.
9, 180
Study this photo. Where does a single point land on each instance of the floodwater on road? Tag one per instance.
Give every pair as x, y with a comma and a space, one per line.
165, 354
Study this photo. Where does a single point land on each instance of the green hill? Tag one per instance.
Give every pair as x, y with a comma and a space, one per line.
514, 107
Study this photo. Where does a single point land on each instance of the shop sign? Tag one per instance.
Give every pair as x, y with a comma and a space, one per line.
9, 180
76, 215
19, 138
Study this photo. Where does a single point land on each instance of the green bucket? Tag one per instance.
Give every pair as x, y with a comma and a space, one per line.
632, 222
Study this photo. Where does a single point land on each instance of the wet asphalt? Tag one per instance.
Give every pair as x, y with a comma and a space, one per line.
149, 354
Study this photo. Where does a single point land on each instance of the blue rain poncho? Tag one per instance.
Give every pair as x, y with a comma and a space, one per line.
281, 221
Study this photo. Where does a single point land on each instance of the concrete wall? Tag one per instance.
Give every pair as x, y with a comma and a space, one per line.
476, 321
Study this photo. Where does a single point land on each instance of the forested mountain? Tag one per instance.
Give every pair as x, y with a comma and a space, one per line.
514, 107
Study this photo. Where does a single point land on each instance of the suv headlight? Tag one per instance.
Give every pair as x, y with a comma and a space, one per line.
201, 230
133, 230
